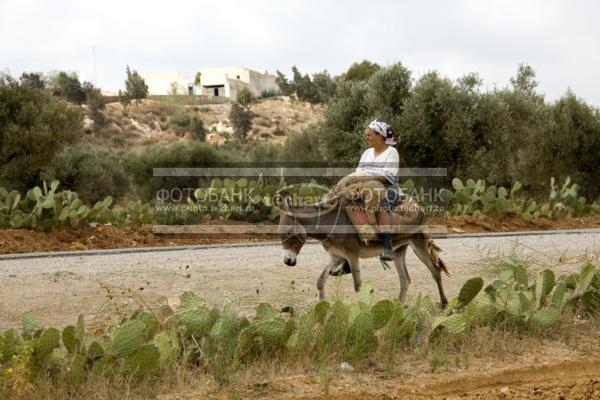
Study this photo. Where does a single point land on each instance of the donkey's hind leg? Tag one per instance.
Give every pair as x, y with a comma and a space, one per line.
400, 262
333, 262
354, 262
421, 248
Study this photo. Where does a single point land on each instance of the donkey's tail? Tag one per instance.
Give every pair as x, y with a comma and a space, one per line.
434, 249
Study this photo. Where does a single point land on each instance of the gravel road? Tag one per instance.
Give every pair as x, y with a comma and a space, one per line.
58, 289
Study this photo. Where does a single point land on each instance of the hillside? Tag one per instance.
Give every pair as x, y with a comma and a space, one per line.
151, 122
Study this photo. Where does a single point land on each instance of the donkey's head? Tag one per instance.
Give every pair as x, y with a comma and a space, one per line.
293, 234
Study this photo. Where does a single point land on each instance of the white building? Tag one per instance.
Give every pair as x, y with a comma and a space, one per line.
162, 82
226, 82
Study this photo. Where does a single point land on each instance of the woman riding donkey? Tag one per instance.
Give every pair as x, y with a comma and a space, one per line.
377, 170
375, 182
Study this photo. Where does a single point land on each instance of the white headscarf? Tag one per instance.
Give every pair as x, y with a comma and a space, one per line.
385, 130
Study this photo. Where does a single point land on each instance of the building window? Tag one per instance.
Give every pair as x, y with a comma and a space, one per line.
238, 76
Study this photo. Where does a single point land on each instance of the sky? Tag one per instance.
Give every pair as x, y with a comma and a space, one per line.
559, 39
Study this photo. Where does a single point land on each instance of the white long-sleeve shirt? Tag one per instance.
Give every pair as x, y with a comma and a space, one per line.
385, 164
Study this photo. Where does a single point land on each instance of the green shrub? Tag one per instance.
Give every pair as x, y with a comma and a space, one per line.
569, 146
68, 86
33, 79
361, 71
135, 88
34, 126
96, 103
244, 97
119, 139
92, 173
388, 89
316, 90
265, 94
140, 166
250, 153
302, 147
241, 119
435, 128
345, 119
186, 122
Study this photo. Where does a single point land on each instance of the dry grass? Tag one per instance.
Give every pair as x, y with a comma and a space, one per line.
181, 380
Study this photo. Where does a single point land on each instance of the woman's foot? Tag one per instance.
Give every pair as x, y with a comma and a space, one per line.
388, 253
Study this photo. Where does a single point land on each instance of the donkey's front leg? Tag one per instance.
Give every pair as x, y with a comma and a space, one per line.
333, 262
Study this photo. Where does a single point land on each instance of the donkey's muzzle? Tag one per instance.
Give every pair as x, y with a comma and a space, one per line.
289, 258
289, 261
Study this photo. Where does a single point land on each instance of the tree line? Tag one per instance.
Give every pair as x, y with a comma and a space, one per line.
501, 135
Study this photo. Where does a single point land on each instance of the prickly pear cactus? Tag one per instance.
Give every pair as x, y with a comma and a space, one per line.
143, 361
320, 311
166, 349
365, 294
76, 369
128, 338
398, 328
452, 324
266, 311
382, 312
559, 296
190, 300
591, 302
150, 322
164, 312
271, 332
9, 345
545, 318
361, 336
195, 321
303, 338
543, 286
483, 312
520, 275
48, 341
68, 338
469, 290
29, 324
584, 279
95, 351
335, 325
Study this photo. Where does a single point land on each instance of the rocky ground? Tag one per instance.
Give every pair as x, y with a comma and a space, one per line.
138, 126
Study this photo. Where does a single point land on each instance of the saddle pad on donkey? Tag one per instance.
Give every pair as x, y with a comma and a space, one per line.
358, 216
408, 218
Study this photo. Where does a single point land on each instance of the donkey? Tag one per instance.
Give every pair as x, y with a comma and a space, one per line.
336, 233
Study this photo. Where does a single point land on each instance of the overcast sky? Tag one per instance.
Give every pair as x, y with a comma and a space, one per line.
559, 39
